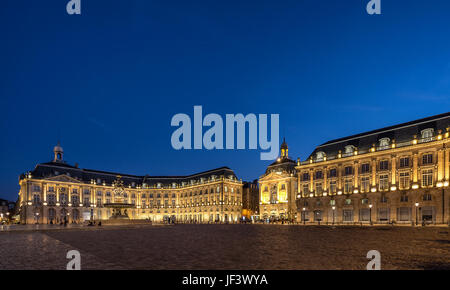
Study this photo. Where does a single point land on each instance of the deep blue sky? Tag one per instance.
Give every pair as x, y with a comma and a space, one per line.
108, 82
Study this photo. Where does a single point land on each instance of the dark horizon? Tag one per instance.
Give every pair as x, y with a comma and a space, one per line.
107, 83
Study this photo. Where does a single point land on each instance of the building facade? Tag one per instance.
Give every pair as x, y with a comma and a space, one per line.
278, 189
250, 200
55, 192
398, 174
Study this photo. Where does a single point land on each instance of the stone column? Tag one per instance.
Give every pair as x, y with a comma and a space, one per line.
440, 164
374, 172
394, 169
415, 167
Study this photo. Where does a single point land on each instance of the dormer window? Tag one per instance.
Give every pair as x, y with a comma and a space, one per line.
349, 149
320, 155
384, 143
158, 185
427, 133
174, 185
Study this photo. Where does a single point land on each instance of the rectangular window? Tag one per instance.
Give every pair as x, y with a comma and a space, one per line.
404, 162
347, 215
306, 188
333, 172
348, 170
319, 189
348, 186
99, 202
383, 214
365, 168
427, 177
305, 177
333, 187
365, 184
384, 182
319, 175
384, 165
427, 159
404, 180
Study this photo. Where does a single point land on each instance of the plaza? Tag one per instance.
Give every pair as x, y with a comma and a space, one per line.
224, 247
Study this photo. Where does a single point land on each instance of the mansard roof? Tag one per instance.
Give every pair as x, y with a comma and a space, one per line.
400, 133
50, 169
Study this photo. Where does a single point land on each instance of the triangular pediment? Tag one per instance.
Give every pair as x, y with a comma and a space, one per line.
275, 175
63, 178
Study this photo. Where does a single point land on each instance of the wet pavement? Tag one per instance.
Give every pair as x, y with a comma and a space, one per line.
206, 247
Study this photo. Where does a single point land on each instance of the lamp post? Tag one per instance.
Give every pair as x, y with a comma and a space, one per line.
304, 217
333, 213
37, 218
370, 213
417, 215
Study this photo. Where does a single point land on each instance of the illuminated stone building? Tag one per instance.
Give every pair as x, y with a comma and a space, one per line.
396, 174
250, 200
57, 191
278, 188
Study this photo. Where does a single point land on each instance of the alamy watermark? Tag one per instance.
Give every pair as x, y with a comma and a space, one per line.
74, 7
213, 137
75, 260
375, 260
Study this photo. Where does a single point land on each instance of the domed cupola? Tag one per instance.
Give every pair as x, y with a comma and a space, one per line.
58, 153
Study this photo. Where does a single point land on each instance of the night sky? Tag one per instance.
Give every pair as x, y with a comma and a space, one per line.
108, 82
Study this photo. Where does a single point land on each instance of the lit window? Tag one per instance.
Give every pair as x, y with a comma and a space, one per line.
404, 162
384, 182
427, 177
348, 184
384, 165
365, 184
333, 186
365, 168
427, 159
404, 180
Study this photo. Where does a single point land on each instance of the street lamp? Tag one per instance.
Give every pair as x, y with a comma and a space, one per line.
333, 213
370, 213
304, 217
417, 215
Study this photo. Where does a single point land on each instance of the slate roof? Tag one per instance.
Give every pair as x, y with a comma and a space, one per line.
400, 133
49, 169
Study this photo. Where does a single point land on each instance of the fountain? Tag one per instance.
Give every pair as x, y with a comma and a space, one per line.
119, 207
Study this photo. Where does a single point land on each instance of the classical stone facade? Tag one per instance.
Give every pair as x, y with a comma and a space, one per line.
55, 192
278, 189
398, 174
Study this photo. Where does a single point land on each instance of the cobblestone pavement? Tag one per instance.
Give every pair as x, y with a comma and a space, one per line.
227, 247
